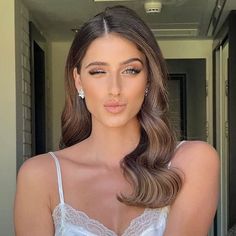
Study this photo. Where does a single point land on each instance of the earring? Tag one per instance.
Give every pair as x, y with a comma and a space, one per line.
146, 92
81, 93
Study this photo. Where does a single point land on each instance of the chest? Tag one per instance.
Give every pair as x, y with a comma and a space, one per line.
90, 205
97, 198
93, 195
70, 222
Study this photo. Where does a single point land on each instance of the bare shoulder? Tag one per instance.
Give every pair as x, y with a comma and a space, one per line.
36, 174
195, 155
32, 208
36, 168
193, 210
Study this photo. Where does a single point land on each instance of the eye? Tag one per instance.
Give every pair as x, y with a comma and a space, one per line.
96, 72
131, 71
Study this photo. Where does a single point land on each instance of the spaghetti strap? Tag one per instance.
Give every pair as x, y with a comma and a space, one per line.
59, 179
178, 145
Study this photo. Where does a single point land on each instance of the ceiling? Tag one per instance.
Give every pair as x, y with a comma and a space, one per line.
177, 19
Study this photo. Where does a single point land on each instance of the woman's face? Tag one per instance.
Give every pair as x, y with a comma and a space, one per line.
113, 76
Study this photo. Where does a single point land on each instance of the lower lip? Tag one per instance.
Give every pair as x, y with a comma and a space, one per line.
115, 109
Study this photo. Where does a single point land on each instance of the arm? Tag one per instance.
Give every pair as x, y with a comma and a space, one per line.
32, 215
193, 211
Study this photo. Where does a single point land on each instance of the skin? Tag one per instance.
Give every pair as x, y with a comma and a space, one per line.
109, 75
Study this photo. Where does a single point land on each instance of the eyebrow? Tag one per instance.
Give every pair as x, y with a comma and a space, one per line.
101, 63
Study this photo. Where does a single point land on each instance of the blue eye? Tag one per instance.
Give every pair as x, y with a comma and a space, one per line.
95, 72
132, 71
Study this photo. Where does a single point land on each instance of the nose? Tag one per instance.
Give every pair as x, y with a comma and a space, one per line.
114, 84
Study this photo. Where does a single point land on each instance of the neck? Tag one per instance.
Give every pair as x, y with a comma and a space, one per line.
109, 145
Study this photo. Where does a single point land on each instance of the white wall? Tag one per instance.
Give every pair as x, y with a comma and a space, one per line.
23, 83
7, 116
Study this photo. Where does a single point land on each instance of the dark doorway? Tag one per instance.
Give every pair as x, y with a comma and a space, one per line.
39, 100
194, 71
177, 102
38, 93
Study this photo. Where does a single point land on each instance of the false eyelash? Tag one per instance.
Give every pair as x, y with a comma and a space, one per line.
94, 72
136, 71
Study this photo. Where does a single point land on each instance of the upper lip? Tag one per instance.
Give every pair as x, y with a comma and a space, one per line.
114, 104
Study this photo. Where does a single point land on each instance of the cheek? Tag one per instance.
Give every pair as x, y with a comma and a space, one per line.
92, 89
136, 97
94, 95
136, 90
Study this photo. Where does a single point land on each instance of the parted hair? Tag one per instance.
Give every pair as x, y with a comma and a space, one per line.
146, 167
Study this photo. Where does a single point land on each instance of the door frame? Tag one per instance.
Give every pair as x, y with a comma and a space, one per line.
227, 32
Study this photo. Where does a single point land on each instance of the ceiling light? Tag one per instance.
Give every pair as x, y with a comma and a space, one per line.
175, 32
153, 6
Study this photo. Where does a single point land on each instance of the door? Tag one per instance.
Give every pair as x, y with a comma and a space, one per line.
193, 73
177, 104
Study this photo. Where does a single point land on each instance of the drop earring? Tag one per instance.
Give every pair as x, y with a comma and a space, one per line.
146, 92
81, 93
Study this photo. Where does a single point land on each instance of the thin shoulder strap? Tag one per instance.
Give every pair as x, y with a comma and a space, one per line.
179, 144
59, 179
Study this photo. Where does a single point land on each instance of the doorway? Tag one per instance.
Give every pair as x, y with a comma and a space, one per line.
192, 72
177, 104
38, 98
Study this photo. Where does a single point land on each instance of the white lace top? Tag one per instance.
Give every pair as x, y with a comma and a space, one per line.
71, 222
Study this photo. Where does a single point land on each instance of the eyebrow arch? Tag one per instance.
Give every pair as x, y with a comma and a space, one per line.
131, 60
100, 63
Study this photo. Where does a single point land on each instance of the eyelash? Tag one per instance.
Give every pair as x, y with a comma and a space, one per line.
94, 72
132, 71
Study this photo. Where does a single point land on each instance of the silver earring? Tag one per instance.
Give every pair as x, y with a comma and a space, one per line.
146, 92
81, 93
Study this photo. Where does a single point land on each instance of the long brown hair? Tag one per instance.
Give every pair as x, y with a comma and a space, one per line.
154, 185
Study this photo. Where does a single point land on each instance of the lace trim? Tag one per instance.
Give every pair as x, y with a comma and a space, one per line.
150, 217
64, 213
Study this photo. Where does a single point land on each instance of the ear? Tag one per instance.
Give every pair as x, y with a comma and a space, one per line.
77, 79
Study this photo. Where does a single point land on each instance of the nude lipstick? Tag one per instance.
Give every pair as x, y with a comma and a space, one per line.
114, 107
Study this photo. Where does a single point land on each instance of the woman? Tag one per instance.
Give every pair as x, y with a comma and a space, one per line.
119, 170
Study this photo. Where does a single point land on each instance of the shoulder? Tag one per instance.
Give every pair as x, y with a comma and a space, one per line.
194, 208
36, 165
195, 155
32, 206
37, 169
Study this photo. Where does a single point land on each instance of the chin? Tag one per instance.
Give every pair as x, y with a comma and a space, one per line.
119, 122
115, 123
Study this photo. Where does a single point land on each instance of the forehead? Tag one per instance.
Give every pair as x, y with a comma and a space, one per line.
112, 47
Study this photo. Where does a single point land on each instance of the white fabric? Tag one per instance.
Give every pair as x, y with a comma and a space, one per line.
71, 222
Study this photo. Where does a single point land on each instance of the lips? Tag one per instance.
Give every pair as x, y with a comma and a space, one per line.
114, 107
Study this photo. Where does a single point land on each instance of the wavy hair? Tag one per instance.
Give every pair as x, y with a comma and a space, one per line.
146, 168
